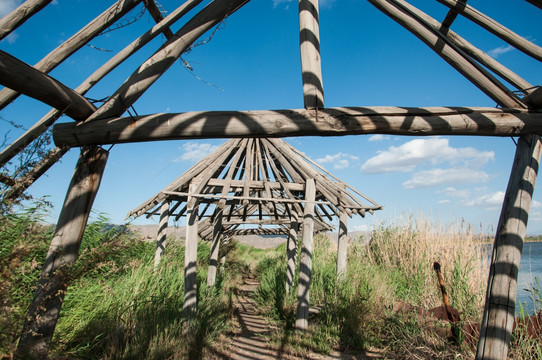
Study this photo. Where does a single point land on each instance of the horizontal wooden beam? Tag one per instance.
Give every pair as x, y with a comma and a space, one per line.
255, 184
242, 232
283, 123
23, 78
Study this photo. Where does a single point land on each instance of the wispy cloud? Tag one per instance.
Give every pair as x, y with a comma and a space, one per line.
339, 160
490, 201
495, 53
407, 157
11, 38
379, 137
195, 151
439, 177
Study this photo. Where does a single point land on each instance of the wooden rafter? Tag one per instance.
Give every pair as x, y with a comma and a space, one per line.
18, 16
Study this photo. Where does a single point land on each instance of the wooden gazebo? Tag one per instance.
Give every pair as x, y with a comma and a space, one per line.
268, 185
518, 114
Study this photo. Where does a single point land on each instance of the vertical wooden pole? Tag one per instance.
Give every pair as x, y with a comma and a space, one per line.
217, 237
309, 46
162, 234
502, 284
302, 315
44, 310
291, 252
342, 244
190, 257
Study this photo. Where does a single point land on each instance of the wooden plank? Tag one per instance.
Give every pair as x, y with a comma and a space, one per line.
474, 72
342, 245
264, 231
18, 16
284, 123
309, 47
166, 56
190, 260
162, 234
215, 245
74, 43
499, 310
305, 269
534, 99
495, 28
17, 75
45, 307
291, 253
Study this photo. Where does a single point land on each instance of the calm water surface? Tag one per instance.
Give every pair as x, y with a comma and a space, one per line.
530, 270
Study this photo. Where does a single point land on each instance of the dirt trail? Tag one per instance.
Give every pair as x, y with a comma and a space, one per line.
250, 342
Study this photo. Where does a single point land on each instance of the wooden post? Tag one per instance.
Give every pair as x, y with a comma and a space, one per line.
44, 310
302, 316
190, 257
162, 234
291, 252
217, 237
309, 46
342, 244
500, 303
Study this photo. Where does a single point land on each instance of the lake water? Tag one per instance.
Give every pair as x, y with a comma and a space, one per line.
530, 270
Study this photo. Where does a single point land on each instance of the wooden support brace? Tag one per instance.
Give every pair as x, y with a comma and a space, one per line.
309, 46
305, 267
291, 253
162, 234
342, 245
21, 77
215, 247
45, 308
499, 310
190, 259
450, 17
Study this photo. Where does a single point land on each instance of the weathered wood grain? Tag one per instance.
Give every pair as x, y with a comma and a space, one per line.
284, 123
17, 17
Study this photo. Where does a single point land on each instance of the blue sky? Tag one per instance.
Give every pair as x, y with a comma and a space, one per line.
253, 63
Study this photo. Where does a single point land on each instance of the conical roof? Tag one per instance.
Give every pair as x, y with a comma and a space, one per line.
259, 181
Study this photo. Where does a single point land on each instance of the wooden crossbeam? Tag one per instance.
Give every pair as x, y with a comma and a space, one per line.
451, 16
283, 123
157, 16
497, 29
23, 78
537, 3
18, 16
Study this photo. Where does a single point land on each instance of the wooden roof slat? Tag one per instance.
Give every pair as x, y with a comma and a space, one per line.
157, 17
450, 17
74, 43
18, 16
496, 28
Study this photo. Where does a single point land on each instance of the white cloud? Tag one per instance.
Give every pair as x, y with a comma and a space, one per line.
406, 157
195, 151
495, 53
438, 177
11, 38
446, 201
7, 6
339, 160
493, 200
379, 137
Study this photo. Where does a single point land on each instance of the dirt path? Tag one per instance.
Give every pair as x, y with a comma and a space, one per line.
250, 342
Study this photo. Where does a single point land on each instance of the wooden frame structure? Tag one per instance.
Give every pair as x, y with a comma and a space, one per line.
265, 184
519, 115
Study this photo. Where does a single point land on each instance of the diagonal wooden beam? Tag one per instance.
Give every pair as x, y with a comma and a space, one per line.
497, 29
25, 79
537, 3
284, 123
157, 16
401, 12
18, 16
161, 60
450, 17
70, 46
